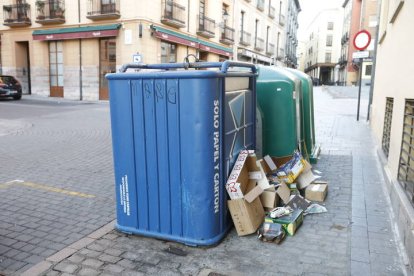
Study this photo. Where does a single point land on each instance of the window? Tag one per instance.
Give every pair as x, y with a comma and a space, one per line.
330, 25
256, 26
387, 125
329, 40
202, 10
267, 38
373, 22
368, 70
406, 165
328, 57
242, 21
383, 20
56, 63
168, 52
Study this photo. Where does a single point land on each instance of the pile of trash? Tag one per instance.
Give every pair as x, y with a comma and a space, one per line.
272, 195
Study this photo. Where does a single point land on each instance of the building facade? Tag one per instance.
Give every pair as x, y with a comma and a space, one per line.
260, 31
65, 49
358, 15
323, 47
291, 44
392, 110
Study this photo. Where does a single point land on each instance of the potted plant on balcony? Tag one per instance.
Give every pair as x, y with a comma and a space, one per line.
40, 6
59, 12
8, 10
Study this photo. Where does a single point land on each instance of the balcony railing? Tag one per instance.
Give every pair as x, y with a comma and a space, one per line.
282, 20
344, 38
272, 12
260, 5
206, 26
101, 9
342, 60
50, 12
245, 38
17, 15
173, 14
259, 44
227, 35
270, 50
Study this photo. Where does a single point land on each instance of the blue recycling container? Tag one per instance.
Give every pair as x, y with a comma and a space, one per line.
176, 134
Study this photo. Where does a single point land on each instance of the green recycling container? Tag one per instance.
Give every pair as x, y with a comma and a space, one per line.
310, 147
278, 97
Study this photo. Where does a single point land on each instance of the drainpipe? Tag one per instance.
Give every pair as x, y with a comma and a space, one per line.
374, 62
80, 58
188, 21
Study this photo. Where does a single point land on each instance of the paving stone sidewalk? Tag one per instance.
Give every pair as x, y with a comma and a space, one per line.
60, 150
355, 237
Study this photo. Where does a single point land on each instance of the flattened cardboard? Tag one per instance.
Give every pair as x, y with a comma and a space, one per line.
269, 200
316, 192
307, 176
263, 182
269, 162
253, 194
247, 217
284, 192
298, 202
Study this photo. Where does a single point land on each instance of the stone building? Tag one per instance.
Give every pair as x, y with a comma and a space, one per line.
323, 47
392, 112
358, 15
65, 49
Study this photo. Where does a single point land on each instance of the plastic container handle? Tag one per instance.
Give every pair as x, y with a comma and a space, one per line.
224, 66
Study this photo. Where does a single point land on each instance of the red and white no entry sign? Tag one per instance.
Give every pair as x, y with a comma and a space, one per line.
362, 39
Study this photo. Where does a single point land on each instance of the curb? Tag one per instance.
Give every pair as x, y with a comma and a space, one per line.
69, 250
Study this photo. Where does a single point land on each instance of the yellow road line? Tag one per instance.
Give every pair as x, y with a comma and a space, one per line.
46, 188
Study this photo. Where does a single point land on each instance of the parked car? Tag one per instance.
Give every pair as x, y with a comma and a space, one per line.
10, 87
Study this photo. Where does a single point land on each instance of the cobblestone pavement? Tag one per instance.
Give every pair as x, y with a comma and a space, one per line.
354, 237
61, 150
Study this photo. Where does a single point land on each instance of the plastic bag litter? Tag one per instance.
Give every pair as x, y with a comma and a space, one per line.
315, 208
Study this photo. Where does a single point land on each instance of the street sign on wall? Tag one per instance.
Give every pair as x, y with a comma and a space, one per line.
362, 54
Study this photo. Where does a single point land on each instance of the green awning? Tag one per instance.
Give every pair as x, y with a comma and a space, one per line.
78, 32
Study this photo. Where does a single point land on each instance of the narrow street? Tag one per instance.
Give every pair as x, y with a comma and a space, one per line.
57, 194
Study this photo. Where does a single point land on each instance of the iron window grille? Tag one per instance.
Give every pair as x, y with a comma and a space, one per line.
406, 166
386, 133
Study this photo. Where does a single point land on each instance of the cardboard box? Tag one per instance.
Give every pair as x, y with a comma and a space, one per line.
269, 200
245, 207
316, 191
290, 222
306, 177
242, 178
289, 171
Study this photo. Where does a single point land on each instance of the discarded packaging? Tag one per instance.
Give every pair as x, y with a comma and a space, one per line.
271, 232
316, 191
269, 199
289, 171
298, 202
280, 212
245, 207
290, 222
306, 177
315, 208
